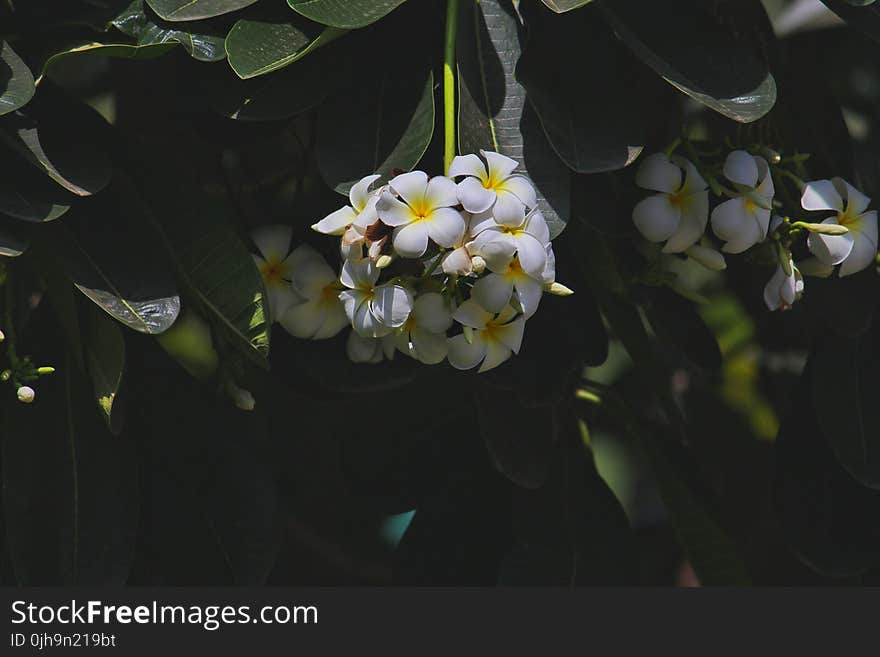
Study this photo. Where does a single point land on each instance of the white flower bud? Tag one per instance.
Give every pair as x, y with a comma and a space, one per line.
478, 264
559, 289
2, 336
709, 258
26, 394
242, 398
383, 261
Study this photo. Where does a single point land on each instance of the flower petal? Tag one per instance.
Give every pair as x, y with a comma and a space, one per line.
473, 196
468, 165
359, 193
457, 262
864, 251
304, 320
693, 181
500, 166
411, 186
520, 187
359, 274
392, 305
311, 279
656, 218
831, 249
508, 209
856, 202
464, 355
532, 255
741, 167
273, 242
536, 225
337, 222
430, 348
511, 334
709, 258
492, 292
441, 193
470, 313
480, 222
432, 313
411, 241
694, 217
658, 174
334, 320
772, 290
394, 212
496, 354
445, 226
821, 195
361, 349
529, 292
281, 298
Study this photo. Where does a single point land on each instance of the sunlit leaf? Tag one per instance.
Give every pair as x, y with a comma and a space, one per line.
348, 14
194, 10
16, 80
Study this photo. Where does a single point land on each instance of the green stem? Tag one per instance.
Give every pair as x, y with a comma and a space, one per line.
449, 84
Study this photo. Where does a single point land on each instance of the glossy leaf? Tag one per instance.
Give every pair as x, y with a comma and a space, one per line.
391, 128
347, 14
257, 47
493, 113
203, 40
570, 60
114, 50
194, 10
675, 321
862, 16
104, 351
699, 51
28, 195
12, 244
561, 6
16, 80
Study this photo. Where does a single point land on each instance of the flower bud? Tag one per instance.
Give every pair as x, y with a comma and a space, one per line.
45, 370
5, 375
26, 394
478, 264
383, 261
2, 336
559, 289
709, 258
825, 229
242, 398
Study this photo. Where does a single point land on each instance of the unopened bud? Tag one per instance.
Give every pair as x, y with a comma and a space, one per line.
5, 375
383, 261
825, 229
2, 336
45, 370
468, 334
478, 264
709, 258
26, 394
242, 398
559, 289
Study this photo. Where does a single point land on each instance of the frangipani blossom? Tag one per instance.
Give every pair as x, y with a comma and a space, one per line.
783, 289
367, 350
493, 186
497, 243
854, 250
276, 264
742, 222
320, 314
493, 338
352, 221
494, 291
423, 336
459, 261
373, 310
426, 212
679, 212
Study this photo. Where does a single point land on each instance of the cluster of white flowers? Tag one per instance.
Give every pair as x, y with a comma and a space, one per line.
431, 267
678, 212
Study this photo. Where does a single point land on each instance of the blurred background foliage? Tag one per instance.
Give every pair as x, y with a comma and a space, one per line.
648, 433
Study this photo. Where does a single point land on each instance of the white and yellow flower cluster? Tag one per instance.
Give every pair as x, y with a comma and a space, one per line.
678, 212
438, 268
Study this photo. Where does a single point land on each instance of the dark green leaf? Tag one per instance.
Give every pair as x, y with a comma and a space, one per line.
829, 519
390, 129
348, 14
75, 159
12, 244
16, 80
493, 113
114, 50
862, 16
194, 10
676, 322
561, 6
259, 47
104, 349
570, 60
203, 41
844, 379
702, 49
28, 195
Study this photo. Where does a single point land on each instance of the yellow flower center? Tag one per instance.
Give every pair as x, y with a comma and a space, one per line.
329, 294
848, 217
273, 271
678, 200
749, 205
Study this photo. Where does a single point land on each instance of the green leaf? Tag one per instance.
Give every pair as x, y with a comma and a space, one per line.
16, 80
61, 465
113, 50
259, 47
75, 159
27, 195
567, 62
203, 40
859, 14
702, 49
194, 10
676, 322
104, 350
561, 6
390, 129
493, 113
844, 379
348, 14
12, 242
111, 257
827, 517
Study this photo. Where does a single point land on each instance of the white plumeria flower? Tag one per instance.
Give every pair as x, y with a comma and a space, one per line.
498, 243
679, 212
742, 222
426, 212
493, 338
854, 250
368, 350
459, 261
783, 289
352, 221
494, 291
25, 394
493, 187
373, 310
275, 263
320, 313
423, 336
